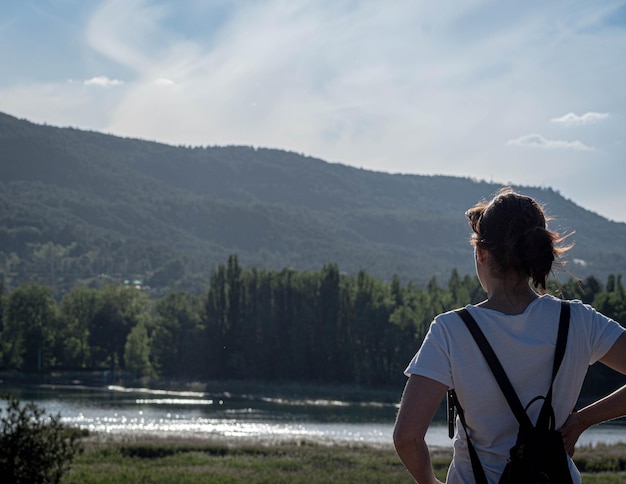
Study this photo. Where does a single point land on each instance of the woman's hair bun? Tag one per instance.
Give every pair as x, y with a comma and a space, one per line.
513, 228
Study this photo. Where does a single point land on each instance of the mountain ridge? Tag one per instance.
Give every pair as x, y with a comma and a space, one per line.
111, 205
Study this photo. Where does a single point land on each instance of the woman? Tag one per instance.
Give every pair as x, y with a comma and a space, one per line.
514, 254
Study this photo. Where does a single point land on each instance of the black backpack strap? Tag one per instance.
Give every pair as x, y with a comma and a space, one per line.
496, 369
561, 341
546, 416
477, 468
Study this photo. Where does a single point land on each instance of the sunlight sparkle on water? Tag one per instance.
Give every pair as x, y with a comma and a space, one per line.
173, 401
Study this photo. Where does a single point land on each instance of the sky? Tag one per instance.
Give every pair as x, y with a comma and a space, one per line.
524, 93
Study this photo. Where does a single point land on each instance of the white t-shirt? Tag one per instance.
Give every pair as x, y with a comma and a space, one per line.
524, 344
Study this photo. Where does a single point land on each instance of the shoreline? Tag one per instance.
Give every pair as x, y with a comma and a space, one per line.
195, 439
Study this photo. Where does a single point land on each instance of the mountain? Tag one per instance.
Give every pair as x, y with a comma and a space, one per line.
79, 207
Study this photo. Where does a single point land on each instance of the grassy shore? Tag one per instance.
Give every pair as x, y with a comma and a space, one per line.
153, 460
194, 460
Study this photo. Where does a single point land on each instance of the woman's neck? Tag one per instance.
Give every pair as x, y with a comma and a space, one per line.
509, 297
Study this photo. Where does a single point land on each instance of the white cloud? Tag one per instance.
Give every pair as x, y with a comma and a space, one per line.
413, 88
162, 81
572, 119
127, 31
103, 81
538, 141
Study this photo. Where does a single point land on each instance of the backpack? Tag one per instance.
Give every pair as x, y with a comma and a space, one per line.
538, 455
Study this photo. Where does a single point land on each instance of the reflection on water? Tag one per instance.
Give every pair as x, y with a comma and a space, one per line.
134, 411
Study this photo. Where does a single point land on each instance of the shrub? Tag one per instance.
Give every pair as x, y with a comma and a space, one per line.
34, 448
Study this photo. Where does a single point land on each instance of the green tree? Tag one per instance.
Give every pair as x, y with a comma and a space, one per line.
214, 321
610, 283
234, 329
77, 311
2, 305
372, 310
137, 351
459, 293
612, 302
259, 334
119, 310
327, 333
591, 287
177, 348
411, 321
29, 326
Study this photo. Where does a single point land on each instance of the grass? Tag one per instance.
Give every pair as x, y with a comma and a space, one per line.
190, 462
602, 463
196, 461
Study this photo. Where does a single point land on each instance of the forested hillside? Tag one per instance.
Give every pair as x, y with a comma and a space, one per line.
86, 208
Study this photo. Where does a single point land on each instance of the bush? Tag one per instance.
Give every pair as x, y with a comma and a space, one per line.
34, 448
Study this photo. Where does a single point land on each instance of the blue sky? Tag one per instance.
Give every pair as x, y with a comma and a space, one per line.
528, 93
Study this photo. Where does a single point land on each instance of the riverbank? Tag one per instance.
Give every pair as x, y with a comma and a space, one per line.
211, 388
156, 460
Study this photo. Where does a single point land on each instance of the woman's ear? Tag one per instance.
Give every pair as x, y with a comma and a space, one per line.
481, 254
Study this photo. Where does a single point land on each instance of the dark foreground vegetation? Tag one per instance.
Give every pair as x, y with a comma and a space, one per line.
252, 324
34, 447
189, 461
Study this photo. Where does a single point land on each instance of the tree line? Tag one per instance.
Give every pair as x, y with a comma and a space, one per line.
250, 324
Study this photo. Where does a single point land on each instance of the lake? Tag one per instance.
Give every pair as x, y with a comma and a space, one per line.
120, 411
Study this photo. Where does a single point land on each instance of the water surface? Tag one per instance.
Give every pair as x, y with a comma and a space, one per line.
119, 411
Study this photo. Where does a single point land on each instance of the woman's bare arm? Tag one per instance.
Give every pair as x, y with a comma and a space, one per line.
607, 408
420, 401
